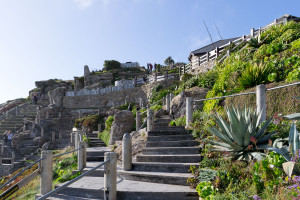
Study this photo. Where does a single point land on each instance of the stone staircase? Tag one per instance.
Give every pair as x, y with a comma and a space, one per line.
16, 122
159, 173
94, 140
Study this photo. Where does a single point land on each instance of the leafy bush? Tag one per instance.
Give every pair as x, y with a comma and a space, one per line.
254, 75
110, 65
108, 122
181, 121
62, 170
206, 190
104, 136
186, 77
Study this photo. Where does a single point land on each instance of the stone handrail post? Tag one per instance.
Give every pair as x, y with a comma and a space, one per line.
42, 132
189, 111
53, 136
45, 167
127, 152
149, 120
138, 120
76, 139
168, 102
110, 176
80, 155
252, 32
13, 158
261, 104
2, 146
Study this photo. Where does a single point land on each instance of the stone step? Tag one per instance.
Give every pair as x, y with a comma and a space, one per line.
156, 177
170, 138
92, 188
65, 197
166, 132
170, 150
95, 158
171, 128
194, 158
184, 143
162, 167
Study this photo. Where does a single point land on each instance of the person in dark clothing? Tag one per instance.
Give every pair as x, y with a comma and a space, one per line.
35, 99
130, 107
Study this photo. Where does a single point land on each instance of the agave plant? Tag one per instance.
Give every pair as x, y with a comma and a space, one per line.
243, 136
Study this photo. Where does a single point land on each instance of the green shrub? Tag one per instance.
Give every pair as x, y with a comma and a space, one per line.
206, 190
296, 44
186, 76
62, 170
104, 136
109, 122
254, 75
92, 121
179, 121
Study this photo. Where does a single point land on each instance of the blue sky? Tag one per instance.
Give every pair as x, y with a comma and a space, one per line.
44, 39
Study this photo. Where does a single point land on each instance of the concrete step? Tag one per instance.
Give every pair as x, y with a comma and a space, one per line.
194, 158
166, 132
66, 197
156, 177
170, 150
162, 167
171, 128
184, 143
92, 188
170, 138
95, 158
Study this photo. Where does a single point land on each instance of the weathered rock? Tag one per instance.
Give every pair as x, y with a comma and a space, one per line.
48, 145
97, 80
123, 123
57, 96
45, 86
39, 141
178, 102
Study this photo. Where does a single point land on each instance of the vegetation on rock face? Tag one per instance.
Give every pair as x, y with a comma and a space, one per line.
277, 54
105, 135
90, 123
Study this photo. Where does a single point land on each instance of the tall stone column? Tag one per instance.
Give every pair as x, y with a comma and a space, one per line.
80, 156
149, 120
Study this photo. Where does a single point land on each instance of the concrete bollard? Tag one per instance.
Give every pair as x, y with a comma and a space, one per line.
261, 104
189, 111
13, 158
168, 102
80, 156
46, 172
126, 152
149, 120
110, 176
42, 132
53, 136
76, 139
138, 120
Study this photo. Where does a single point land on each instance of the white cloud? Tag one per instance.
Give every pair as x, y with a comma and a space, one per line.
83, 4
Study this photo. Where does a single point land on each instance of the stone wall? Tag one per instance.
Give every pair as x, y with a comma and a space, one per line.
203, 67
105, 100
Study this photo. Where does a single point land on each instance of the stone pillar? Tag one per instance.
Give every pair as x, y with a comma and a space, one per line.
149, 120
13, 157
252, 32
84, 154
243, 37
179, 70
76, 139
110, 176
183, 69
72, 139
261, 104
207, 56
110, 88
60, 135
138, 120
126, 152
45, 167
275, 21
168, 103
59, 114
6, 115
134, 82
189, 111
33, 125
99, 128
80, 155
47, 115
53, 136
79, 114
42, 132
155, 77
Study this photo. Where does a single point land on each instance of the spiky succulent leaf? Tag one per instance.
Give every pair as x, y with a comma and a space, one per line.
294, 140
294, 116
284, 151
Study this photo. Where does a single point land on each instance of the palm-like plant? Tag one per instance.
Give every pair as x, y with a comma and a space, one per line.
169, 61
243, 136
